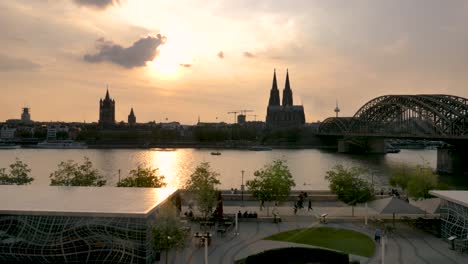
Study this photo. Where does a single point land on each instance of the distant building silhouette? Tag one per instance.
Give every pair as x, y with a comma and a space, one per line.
107, 111
26, 116
287, 114
131, 118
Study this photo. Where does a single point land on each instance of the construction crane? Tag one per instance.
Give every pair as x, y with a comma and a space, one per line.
235, 115
255, 117
241, 113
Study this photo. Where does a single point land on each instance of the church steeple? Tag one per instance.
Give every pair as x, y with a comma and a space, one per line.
274, 93
106, 110
287, 92
131, 118
107, 93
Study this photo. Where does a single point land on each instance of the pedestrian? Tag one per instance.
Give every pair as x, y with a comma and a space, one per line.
310, 205
377, 235
262, 205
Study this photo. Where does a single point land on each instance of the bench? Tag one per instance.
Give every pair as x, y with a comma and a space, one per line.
323, 218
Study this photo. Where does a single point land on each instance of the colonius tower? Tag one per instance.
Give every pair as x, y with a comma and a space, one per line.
107, 111
287, 114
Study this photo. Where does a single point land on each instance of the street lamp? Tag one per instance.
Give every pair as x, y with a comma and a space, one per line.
242, 188
167, 248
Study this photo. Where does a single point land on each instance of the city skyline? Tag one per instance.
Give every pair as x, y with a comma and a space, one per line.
213, 57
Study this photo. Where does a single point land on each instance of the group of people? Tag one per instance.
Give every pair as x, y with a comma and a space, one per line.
247, 214
299, 204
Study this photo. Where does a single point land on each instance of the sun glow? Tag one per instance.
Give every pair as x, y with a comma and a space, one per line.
170, 61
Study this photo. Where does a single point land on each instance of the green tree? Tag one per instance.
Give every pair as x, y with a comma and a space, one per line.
168, 231
416, 181
348, 186
70, 173
272, 183
203, 183
400, 176
18, 174
143, 177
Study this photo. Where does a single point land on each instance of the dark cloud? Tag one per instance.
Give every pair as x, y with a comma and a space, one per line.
185, 65
248, 54
143, 50
98, 4
221, 55
16, 64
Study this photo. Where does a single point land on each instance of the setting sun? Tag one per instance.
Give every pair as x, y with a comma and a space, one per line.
171, 59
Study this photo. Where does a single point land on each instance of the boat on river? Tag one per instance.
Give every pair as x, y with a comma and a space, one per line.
260, 148
216, 153
60, 144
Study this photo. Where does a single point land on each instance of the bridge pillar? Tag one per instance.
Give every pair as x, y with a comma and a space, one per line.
343, 146
452, 160
362, 145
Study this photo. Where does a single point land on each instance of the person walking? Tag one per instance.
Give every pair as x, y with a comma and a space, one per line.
377, 235
310, 205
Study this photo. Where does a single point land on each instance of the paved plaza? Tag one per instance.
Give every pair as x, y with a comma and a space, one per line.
405, 245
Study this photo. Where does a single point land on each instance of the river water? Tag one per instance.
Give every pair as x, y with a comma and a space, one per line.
308, 166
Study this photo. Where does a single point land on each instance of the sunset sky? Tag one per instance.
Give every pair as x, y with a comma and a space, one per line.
182, 59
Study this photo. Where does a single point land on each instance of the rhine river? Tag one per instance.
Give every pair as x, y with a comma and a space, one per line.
308, 166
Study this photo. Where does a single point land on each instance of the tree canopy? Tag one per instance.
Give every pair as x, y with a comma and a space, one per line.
70, 173
168, 232
348, 186
18, 174
203, 183
416, 181
143, 177
272, 183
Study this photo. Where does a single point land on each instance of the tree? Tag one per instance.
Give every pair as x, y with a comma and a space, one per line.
272, 183
168, 232
348, 186
18, 174
143, 177
70, 173
416, 181
202, 182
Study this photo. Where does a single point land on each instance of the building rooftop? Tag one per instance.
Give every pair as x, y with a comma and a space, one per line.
458, 197
81, 201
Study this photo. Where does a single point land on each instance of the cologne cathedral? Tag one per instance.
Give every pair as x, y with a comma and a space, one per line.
107, 111
287, 114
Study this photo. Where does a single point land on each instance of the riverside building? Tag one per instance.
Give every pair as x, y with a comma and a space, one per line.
454, 217
78, 224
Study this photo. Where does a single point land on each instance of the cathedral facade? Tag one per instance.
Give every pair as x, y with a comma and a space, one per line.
107, 111
286, 114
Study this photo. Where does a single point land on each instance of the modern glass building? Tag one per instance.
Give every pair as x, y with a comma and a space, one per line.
454, 216
78, 224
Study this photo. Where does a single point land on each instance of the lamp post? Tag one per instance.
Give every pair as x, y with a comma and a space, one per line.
242, 188
167, 248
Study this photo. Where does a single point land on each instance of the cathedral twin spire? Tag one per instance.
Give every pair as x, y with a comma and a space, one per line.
287, 92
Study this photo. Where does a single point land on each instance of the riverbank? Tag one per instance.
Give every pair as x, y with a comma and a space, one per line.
169, 146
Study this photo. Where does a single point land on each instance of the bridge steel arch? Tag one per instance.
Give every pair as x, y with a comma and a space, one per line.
335, 125
424, 115
418, 115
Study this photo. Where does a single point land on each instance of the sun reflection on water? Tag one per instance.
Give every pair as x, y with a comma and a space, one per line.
168, 163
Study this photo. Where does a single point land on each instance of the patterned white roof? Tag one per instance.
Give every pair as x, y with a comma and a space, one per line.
458, 197
81, 201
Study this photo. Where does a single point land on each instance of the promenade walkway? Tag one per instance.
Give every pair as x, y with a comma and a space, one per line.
405, 245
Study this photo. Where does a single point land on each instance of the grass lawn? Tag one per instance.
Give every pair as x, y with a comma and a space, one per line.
344, 240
